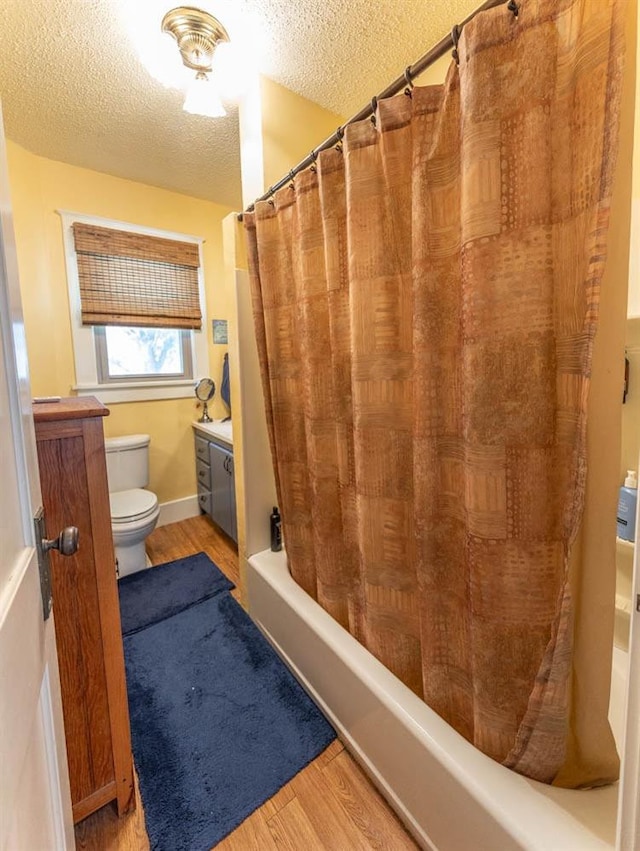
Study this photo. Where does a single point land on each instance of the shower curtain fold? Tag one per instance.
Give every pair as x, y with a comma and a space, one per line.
425, 305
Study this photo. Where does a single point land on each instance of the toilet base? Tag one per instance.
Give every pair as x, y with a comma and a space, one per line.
131, 558
128, 542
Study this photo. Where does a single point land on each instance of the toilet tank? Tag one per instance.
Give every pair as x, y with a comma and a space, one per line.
127, 462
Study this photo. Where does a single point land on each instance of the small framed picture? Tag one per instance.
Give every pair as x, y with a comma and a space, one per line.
220, 331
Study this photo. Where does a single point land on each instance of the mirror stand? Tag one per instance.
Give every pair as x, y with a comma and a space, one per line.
205, 391
205, 418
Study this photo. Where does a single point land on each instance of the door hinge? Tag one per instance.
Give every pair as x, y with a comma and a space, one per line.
637, 602
43, 562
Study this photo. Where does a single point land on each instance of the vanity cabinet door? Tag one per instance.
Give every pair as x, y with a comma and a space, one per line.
222, 507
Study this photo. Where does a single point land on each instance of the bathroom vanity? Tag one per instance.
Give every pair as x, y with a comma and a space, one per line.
215, 474
73, 475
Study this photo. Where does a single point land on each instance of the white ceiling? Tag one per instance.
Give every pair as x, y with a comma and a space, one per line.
73, 88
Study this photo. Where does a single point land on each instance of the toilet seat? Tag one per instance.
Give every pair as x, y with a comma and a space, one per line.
132, 505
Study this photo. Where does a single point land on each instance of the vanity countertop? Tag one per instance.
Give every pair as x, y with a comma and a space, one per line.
218, 429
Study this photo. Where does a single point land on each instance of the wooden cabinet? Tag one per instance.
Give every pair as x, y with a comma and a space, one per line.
216, 481
73, 474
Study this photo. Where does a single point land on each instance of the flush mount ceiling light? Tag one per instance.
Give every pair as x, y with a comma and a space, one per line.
197, 35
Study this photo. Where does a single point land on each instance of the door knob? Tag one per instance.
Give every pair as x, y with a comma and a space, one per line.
66, 543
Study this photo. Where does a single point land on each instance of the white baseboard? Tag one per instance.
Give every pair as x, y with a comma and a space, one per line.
178, 509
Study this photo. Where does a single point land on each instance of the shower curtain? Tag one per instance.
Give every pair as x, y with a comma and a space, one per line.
425, 302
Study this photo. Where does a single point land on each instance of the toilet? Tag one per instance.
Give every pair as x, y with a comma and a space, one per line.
134, 511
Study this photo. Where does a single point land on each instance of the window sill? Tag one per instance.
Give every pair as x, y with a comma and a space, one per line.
138, 391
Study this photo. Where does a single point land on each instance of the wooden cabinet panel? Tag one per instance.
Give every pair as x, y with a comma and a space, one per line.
75, 606
73, 474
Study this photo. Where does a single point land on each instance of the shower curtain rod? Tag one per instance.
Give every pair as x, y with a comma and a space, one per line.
410, 73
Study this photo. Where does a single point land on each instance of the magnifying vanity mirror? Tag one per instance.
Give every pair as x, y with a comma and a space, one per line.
205, 391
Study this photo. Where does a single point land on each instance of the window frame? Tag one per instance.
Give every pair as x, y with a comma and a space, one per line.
102, 359
87, 377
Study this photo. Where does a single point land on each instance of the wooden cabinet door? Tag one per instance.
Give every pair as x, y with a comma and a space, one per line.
77, 611
73, 473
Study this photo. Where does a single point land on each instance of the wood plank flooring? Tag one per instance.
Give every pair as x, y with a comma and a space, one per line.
330, 804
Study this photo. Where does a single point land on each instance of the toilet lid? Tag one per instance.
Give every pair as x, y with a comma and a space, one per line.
132, 505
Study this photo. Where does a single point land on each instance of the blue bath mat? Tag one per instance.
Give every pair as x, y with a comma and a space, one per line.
218, 723
151, 595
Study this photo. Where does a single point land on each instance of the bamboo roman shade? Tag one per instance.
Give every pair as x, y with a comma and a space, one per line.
134, 279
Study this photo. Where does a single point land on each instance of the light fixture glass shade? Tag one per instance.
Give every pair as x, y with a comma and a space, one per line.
203, 98
232, 73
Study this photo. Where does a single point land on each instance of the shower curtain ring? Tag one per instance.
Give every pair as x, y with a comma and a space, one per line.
455, 38
374, 106
512, 6
409, 80
292, 176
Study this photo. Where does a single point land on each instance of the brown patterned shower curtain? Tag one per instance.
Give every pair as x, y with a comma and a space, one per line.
425, 305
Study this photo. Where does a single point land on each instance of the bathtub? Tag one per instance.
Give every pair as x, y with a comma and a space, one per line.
450, 796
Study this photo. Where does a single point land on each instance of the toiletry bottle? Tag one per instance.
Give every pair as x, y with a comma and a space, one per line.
627, 507
276, 530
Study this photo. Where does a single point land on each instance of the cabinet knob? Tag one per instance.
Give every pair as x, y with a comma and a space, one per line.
66, 543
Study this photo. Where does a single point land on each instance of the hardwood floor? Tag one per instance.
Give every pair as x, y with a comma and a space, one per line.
330, 804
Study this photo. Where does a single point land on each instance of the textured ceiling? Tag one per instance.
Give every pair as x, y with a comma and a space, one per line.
339, 54
73, 88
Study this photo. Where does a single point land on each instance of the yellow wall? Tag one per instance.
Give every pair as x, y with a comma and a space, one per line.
39, 187
278, 128
291, 127
436, 73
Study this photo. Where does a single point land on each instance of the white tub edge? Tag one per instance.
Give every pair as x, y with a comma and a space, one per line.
464, 799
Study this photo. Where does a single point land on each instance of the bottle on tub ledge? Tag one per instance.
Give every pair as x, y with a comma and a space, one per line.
627, 507
276, 530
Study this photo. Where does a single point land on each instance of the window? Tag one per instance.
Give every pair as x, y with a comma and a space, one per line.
125, 353
136, 297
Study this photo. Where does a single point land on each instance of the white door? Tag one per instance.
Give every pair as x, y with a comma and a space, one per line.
35, 803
